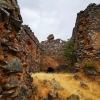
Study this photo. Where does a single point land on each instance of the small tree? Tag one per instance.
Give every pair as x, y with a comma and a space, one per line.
70, 52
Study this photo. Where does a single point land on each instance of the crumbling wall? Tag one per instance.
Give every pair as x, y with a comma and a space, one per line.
86, 35
31, 44
18, 49
54, 49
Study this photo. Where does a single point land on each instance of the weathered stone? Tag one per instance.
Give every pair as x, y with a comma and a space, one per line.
15, 49
88, 27
4, 41
50, 37
52, 94
42, 98
16, 22
51, 52
76, 77
23, 89
6, 33
73, 97
83, 84
14, 65
6, 94
13, 82
45, 81
6, 8
15, 94
29, 93
20, 97
91, 72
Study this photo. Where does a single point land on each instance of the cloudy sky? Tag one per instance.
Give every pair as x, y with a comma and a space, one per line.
52, 16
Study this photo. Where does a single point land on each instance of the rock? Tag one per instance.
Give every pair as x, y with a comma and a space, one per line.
50, 37
45, 81
91, 72
55, 85
35, 88
20, 97
5, 4
52, 94
15, 49
42, 98
6, 33
76, 77
23, 89
16, 22
13, 65
15, 94
13, 82
5, 42
8, 93
73, 97
83, 84
29, 93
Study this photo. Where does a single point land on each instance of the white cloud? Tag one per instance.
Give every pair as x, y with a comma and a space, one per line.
52, 16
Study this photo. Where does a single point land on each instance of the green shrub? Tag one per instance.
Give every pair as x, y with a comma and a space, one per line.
89, 64
70, 52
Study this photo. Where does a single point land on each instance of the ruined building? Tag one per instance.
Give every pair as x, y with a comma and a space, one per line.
21, 53
18, 49
52, 52
86, 35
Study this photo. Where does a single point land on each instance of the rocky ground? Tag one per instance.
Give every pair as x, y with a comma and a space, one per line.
63, 86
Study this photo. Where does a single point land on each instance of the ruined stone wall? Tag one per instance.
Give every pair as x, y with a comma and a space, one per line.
54, 49
86, 35
19, 53
31, 44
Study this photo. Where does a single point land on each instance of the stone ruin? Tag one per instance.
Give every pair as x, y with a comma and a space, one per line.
18, 49
21, 53
53, 49
86, 35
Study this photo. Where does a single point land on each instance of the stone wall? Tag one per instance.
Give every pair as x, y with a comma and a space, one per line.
86, 35
52, 53
19, 54
31, 44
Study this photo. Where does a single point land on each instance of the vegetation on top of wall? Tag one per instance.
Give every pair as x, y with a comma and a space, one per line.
70, 52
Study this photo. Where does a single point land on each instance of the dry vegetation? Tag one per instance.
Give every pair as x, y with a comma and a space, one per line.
68, 86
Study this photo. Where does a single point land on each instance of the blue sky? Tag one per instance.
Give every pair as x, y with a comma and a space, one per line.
56, 17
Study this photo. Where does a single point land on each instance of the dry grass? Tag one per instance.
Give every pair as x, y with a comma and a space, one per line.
90, 64
68, 84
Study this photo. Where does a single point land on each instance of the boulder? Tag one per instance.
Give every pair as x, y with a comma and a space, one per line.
52, 94
50, 37
73, 97
12, 66
13, 82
